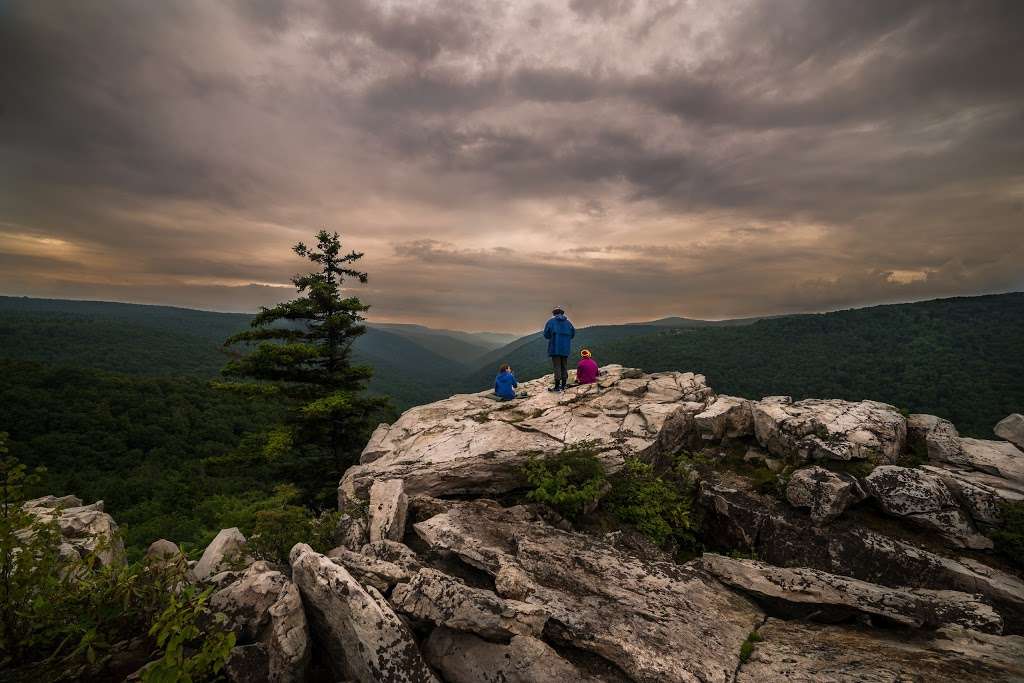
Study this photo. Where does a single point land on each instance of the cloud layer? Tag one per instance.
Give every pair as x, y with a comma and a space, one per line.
626, 160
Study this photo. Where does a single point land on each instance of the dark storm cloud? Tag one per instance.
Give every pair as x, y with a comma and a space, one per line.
717, 159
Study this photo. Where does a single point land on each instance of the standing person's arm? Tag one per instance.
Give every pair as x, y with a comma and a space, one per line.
572, 329
547, 330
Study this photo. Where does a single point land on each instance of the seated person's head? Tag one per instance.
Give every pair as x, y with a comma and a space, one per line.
505, 367
585, 353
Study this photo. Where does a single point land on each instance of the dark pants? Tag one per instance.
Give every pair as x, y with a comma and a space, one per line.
561, 364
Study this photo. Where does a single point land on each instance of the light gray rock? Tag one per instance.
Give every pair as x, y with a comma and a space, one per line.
162, 552
826, 493
84, 529
353, 531
395, 553
981, 495
388, 509
1011, 428
364, 637
997, 458
226, 551
726, 417
917, 607
934, 437
922, 498
370, 571
466, 658
829, 429
799, 652
657, 621
471, 444
267, 615
447, 601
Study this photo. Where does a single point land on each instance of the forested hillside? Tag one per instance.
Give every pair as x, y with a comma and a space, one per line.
958, 358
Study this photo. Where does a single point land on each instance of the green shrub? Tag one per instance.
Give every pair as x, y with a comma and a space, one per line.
659, 509
570, 482
60, 614
1009, 538
276, 531
747, 648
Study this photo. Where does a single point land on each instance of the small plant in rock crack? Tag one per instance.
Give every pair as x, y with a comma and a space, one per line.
1009, 538
747, 648
659, 508
570, 482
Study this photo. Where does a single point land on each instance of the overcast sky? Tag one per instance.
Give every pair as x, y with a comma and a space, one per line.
626, 160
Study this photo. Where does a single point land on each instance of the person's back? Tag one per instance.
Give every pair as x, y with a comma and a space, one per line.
505, 383
586, 369
559, 333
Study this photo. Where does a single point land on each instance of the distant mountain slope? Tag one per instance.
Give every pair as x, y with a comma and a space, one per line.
463, 348
961, 358
163, 340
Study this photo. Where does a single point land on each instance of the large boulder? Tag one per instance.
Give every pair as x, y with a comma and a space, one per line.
388, 508
981, 495
933, 437
1011, 428
915, 607
471, 444
84, 529
364, 637
726, 417
466, 658
923, 499
226, 551
656, 621
448, 601
997, 458
810, 653
272, 634
826, 493
829, 429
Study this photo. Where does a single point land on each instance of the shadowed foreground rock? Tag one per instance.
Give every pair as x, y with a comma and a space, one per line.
656, 621
364, 637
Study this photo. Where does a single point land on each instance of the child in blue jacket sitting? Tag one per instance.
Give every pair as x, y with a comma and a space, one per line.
505, 383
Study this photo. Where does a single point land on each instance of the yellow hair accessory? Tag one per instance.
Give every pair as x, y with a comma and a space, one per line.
585, 353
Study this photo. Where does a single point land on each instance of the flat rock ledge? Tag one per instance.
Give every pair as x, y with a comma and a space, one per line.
473, 444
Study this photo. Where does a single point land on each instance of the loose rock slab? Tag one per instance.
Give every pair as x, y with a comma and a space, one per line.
84, 529
811, 653
388, 508
370, 571
657, 621
912, 607
465, 658
1011, 428
471, 444
826, 493
922, 498
829, 429
446, 601
226, 549
365, 638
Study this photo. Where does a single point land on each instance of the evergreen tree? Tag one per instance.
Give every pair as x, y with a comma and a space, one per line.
300, 352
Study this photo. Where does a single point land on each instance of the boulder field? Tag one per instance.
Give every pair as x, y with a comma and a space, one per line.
844, 541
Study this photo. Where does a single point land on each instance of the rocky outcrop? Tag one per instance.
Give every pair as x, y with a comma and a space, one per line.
84, 529
933, 437
826, 493
1011, 428
923, 499
820, 429
363, 636
727, 417
656, 621
471, 444
272, 634
226, 551
912, 607
447, 601
388, 508
162, 552
466, 658
997, 458
810, 653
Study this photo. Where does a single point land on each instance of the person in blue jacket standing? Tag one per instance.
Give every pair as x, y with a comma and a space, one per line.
559, 333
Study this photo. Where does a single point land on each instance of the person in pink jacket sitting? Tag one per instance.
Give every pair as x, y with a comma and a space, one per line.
586, 370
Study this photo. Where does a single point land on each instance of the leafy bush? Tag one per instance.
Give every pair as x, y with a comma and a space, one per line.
747, 648
59, 613
658, 508
1009, 538
276, 531
570, 482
